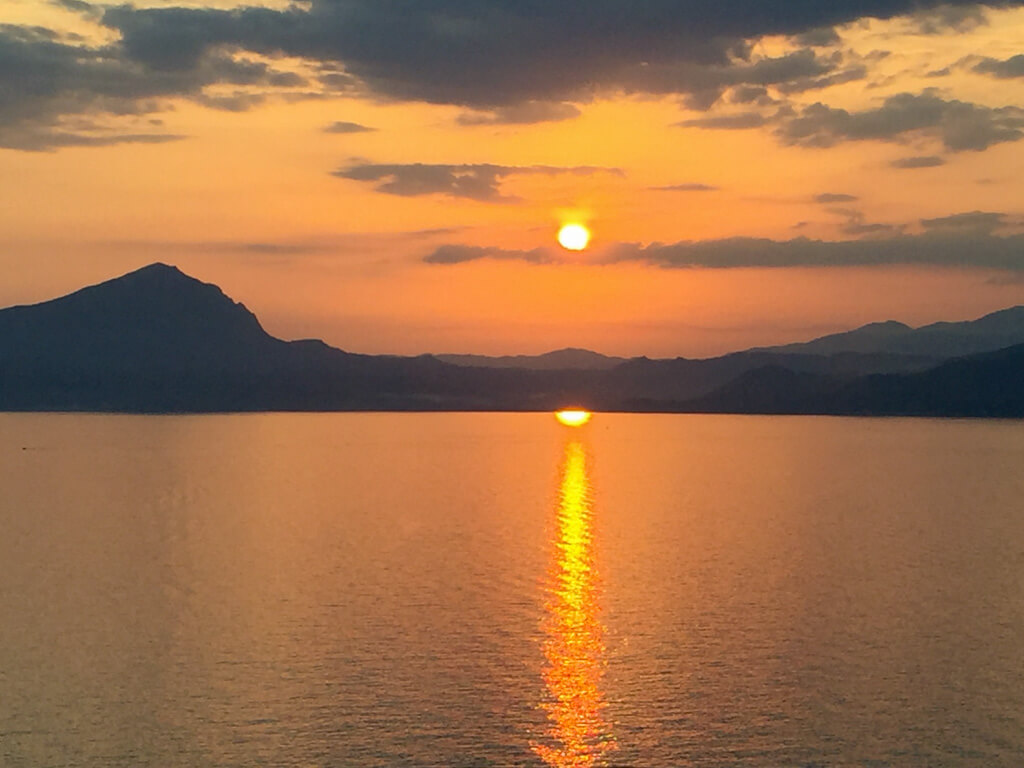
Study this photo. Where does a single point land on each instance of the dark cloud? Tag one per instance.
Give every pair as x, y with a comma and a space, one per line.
509, 61
857, 225
504, 52
1006, 278
834, 197
838, 77
704, 85
693, 187
959, 247
527, 113
458, 254
958, 125
78, 6
338, 82
473, 181
921, 161
751, 94
737, 121
942, 249
822, 37
1001, 68
961, 17
45, 79
40, 141
971, 223
345, 127
240, 101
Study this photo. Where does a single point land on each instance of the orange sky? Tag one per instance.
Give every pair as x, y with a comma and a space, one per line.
247, 199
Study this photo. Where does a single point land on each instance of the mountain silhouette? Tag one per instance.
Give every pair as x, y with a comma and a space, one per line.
570, 358
943, 340
156, 317
157, 340
985, 385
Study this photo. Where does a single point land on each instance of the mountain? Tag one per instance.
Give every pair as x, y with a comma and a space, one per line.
570, 358
681, 379
154, 317
938, 340
157, 340
984, 385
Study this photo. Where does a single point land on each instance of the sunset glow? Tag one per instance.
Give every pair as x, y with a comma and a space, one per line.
292, 290
410, 186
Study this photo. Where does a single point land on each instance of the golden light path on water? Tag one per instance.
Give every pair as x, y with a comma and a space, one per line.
578, 735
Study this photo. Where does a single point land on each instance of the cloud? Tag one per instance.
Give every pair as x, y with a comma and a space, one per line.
480, 182
527, 113
459, 254
506, 52
822, 37
693, 187
921, 161
949, 17
738, 121
857, 225
44, 79
704, 85
971, 223
505, 61
39, 141
834, 197
88, 10
1001, 68
345, 127
944, 248
958, 125
239, 101
751, 94
838, 77
967, 241
1006, 278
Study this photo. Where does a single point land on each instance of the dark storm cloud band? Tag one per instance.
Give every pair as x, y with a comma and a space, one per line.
480, 182
459, 254
508, 61
966, 240
501, 52
44, 77
958, 125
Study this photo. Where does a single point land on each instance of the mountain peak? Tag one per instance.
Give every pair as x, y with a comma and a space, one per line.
885, 325
157, 267
157, 273
155, 313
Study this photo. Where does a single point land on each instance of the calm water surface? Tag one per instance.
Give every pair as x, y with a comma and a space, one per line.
497, 590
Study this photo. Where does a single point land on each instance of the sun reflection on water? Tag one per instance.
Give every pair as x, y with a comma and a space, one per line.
578, 735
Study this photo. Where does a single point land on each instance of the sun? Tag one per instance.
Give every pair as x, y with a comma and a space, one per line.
573, 417
573, 237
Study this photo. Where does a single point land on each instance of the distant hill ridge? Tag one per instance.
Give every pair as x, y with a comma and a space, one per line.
570, 357
934, 342
940, 340
157, 340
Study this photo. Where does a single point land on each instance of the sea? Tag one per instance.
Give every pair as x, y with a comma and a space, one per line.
374, 590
